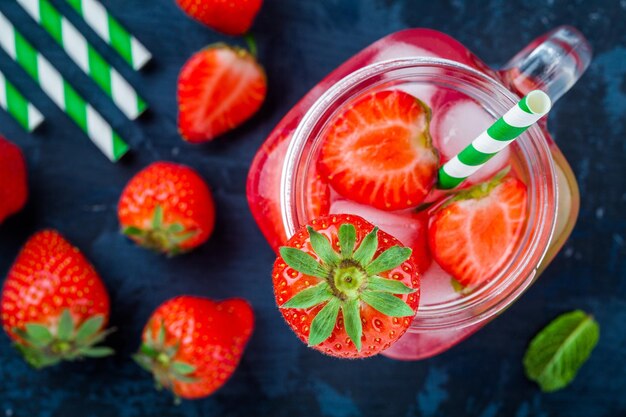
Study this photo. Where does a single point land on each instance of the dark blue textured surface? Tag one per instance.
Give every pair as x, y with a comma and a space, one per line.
75, 189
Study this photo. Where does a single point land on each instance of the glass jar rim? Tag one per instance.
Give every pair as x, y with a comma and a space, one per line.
513, 281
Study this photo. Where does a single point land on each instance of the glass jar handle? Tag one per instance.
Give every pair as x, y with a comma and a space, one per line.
552, 63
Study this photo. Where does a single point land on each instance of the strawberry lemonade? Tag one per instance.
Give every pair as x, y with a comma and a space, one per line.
369, 139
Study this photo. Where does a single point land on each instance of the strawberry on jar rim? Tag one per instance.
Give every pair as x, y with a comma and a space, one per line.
378, 151
219, 88
168, 208
232, 17
473, 235
13, 179
192, 345
54, 305
345, 287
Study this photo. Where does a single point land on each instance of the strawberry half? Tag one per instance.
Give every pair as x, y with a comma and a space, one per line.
377, 151
232, 17
54, 305
473, 235
345, 287
219, 88
192, 345
168, 208
13, 179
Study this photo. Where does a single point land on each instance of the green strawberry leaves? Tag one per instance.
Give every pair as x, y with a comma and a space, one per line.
160, 359
161, 237
310, 297
392, 286
389, 259
387, 304
43, 346
347, 239
352, 321
556, 354
302, 262
324, 322
366, 251
322, 247
348, 280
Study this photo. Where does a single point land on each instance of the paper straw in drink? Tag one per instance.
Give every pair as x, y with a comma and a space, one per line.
60, 91
17, 106
502, 133
86, 57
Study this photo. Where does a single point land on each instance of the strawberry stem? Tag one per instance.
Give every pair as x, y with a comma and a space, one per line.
346, 280
251, 43
43, 346
159, 358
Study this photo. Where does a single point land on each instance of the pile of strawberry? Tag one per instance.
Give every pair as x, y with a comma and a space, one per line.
345, 287
54, 305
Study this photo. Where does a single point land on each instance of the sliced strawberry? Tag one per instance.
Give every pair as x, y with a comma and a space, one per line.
378, 151
219, 88
474, 235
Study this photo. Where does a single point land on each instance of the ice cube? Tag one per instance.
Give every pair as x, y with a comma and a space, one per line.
456, 124
398, 224
436, 286
423, 92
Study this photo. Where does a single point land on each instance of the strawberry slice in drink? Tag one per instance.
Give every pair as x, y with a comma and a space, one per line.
474, 234
378, 151
408, 226
457, 121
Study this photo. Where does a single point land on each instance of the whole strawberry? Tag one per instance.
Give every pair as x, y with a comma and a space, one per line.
345, 287
13, 179
219, 88
168, 208
232, 17
378, 151
192, 345
54, 305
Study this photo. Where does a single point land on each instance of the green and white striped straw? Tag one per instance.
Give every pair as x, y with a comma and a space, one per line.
59, 91
498, 136
86, 57
112, 32
17, 106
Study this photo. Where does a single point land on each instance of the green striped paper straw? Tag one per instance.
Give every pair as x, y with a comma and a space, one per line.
112, 32
17, 106
498, 136
59, 91
86, 57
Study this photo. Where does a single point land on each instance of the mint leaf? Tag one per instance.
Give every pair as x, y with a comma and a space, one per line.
556, 354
